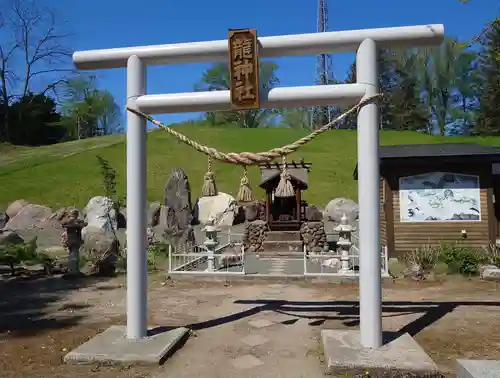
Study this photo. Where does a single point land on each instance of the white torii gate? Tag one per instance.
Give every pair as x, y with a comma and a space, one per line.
365, 42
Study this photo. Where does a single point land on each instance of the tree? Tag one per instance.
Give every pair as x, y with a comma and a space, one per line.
466, 94
438, 69
387, 82
33, 55
35, 121
216, 78
296, 118
404, 108
88, 111
350, 122
488, 122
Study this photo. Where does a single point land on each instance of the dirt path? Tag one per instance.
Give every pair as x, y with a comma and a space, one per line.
243, 330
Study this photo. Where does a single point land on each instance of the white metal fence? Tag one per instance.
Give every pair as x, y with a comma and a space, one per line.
329, 263
227, 258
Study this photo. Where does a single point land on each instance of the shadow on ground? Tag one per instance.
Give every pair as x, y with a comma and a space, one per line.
27, 303
345, 311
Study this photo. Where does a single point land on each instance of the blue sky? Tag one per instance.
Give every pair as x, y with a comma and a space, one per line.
118, 23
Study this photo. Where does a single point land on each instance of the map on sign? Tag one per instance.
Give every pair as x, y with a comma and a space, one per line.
244, 69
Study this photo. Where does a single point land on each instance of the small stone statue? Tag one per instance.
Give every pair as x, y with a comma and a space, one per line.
72, 239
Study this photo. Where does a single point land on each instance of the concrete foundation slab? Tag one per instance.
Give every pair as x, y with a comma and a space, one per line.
400, 356
478, 369
112, 347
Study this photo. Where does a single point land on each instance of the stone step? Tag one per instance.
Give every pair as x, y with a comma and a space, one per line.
266, 255
278, 236
282, 246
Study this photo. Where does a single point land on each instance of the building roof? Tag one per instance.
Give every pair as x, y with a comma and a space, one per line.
408, 152
435, 150
298, 171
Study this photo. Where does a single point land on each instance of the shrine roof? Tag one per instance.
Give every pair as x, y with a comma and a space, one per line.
297, 170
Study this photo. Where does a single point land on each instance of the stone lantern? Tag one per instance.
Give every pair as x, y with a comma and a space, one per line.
345, 230
211, 242
73, 229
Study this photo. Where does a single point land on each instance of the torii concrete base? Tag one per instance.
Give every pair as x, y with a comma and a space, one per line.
400, 356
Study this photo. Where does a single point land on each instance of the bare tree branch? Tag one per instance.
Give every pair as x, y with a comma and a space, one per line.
39, 49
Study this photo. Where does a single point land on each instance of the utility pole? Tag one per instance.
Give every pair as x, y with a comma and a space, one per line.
323, 74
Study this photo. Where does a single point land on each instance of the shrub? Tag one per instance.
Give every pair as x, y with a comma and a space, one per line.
493, 255
425, 258
396, 269
441, 268
461, 259
156, 251
13, 255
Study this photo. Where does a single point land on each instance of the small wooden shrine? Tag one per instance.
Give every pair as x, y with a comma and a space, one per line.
285, 213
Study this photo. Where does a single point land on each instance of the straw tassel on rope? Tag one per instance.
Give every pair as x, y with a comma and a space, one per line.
209, 188
285, 187
245, 193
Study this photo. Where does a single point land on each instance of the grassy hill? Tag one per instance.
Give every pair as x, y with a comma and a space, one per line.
68, 174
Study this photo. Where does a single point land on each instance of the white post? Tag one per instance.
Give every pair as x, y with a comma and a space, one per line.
370, 291
137, 269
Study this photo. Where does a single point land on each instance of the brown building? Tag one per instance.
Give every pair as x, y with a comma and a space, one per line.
438, 193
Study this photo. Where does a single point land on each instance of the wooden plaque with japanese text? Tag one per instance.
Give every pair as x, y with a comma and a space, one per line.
244, 69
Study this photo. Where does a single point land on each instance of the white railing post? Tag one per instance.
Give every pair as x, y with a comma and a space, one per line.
243, 271
137, 265
169, 258
370, 291
304, 257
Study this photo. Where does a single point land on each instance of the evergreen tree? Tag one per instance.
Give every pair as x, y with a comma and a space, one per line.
386, 85
350, 122
407, 110
488, 117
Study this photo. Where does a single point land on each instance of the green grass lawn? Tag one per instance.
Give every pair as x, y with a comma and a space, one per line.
68, 173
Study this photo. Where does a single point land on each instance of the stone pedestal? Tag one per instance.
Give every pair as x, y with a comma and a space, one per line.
255, 235
314, 236
478, 369
73, 240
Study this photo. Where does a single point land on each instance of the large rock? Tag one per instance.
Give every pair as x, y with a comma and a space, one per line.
255, 211
15, 207
4, 218
10, 237
154, 212
177, 200
64, 213
29, 217
338, 206
176, 216
103, 248
251, 212
313, 214
222, 207
101, 214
